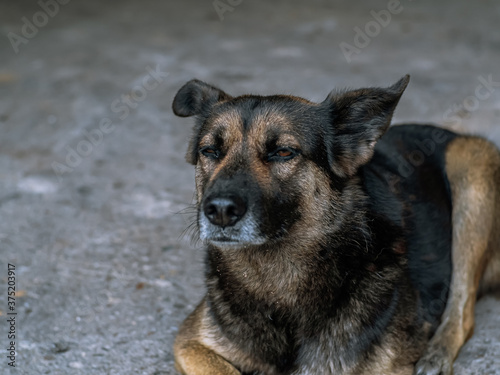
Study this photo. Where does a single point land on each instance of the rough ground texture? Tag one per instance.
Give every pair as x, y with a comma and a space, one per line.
104, 272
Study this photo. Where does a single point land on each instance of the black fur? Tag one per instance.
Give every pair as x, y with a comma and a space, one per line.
410, 159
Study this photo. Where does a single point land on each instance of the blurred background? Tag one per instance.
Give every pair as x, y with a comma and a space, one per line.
95, 194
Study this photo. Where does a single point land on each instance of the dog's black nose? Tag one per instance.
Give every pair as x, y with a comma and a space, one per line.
224, 212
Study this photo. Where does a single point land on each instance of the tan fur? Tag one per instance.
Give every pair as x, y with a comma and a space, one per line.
192, 357
473, 169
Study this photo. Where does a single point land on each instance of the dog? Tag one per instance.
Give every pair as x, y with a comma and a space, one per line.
335, 243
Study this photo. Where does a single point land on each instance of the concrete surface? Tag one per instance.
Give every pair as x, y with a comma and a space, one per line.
95, 230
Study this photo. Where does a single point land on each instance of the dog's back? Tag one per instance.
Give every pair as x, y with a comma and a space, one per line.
407, 183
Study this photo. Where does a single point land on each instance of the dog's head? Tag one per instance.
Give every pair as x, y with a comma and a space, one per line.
270, 166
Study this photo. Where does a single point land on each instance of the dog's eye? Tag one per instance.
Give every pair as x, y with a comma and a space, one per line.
210, 152
282, 154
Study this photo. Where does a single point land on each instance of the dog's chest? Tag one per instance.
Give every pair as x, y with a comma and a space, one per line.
280, 340
259, 330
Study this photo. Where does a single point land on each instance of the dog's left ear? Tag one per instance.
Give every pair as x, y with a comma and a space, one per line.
358, 119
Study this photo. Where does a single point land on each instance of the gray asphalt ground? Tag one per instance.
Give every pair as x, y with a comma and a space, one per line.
94, 191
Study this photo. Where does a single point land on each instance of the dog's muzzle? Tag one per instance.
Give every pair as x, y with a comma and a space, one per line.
227, 221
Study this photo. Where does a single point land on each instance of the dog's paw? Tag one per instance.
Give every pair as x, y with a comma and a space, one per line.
436, 362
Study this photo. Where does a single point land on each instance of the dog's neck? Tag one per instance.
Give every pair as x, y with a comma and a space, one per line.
265, 272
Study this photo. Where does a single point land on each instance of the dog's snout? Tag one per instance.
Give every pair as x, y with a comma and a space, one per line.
224, 212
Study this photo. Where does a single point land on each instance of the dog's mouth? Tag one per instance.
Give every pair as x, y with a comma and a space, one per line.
223, 241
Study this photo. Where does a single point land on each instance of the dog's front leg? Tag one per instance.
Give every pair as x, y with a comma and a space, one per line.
192, 357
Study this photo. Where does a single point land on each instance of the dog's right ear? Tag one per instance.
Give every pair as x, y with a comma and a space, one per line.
196, 97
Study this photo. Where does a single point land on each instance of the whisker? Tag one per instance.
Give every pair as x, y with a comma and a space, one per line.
190, 209
191, 229
192, 232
